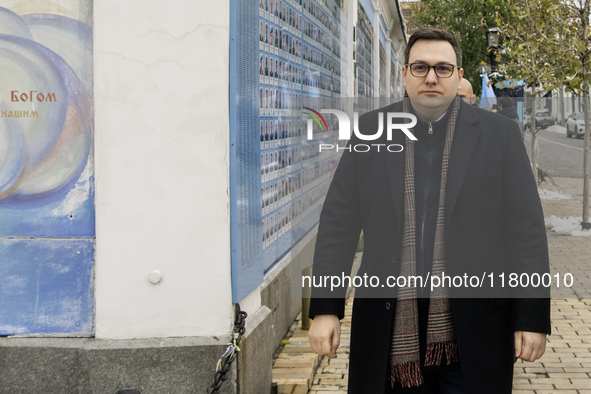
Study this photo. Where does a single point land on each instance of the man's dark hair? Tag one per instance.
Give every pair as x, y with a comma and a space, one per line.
434, 35
505, 102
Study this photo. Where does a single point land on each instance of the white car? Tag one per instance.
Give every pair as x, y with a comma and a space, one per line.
575, 125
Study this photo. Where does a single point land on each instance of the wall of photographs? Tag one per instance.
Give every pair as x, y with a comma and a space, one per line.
301, 47
364, 40
393, 73
278, 176
383, 58
383, 86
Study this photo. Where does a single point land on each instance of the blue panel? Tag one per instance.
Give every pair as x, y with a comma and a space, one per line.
247, 268
393, 54
383, 32
368, 8
46, 287
383, 23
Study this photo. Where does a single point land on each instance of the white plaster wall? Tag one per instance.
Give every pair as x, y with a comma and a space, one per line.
162, 168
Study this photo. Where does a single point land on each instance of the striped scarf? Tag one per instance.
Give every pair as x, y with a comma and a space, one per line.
404, 350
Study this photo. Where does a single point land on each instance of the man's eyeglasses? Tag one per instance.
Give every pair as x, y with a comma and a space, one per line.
442, 70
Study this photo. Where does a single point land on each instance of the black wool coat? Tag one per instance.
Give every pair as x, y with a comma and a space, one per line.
494, 224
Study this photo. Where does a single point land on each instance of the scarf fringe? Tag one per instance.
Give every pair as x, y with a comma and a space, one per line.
408, 374
434, 353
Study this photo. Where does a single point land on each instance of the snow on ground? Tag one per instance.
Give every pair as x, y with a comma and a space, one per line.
557, 129
571, 226
546, 194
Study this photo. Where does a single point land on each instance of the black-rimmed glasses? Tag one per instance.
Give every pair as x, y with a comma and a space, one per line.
442, 70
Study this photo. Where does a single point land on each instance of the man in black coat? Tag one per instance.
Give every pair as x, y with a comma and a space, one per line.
466, 207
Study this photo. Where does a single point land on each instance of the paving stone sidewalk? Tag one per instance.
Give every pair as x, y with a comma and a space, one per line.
566, 366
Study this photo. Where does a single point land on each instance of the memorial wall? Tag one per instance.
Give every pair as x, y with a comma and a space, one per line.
290, 59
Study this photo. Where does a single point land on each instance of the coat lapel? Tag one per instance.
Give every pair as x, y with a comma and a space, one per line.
395, 166
465, 138
395, 169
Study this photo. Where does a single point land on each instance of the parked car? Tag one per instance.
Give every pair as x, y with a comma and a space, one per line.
544, 120
575, 125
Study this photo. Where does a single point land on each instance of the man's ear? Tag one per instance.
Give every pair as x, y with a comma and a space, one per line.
404, 76
461, 74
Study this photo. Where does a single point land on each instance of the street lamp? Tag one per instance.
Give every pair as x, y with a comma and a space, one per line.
492, 40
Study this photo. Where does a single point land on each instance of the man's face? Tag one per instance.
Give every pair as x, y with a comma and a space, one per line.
431, 92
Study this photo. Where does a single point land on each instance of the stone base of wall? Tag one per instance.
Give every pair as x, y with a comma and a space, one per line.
71, 365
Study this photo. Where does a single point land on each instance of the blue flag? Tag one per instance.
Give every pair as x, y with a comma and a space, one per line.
488, 97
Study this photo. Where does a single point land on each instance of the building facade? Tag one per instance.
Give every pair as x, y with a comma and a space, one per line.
155, 169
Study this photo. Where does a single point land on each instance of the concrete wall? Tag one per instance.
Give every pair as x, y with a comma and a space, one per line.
161, 93
280, 302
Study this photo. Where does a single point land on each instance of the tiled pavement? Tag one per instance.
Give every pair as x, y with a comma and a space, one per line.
565, 368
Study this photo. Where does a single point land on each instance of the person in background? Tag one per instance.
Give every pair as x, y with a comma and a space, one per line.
466, 93
506, 108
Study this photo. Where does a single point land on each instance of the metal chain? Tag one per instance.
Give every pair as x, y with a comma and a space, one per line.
226, 360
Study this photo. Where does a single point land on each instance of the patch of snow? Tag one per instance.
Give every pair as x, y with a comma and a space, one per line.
570, 226
546, 194
556, 128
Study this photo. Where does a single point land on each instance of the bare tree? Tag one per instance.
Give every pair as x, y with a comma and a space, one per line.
578, 12
529, 50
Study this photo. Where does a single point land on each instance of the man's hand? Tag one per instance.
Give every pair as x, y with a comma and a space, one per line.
529, 346
325, 335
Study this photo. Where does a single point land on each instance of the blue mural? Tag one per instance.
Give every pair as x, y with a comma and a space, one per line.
45, 287
47, 220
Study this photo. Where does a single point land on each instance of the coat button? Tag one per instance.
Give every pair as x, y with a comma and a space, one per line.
387, 306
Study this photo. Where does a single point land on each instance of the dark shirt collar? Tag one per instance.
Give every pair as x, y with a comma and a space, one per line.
442, 119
